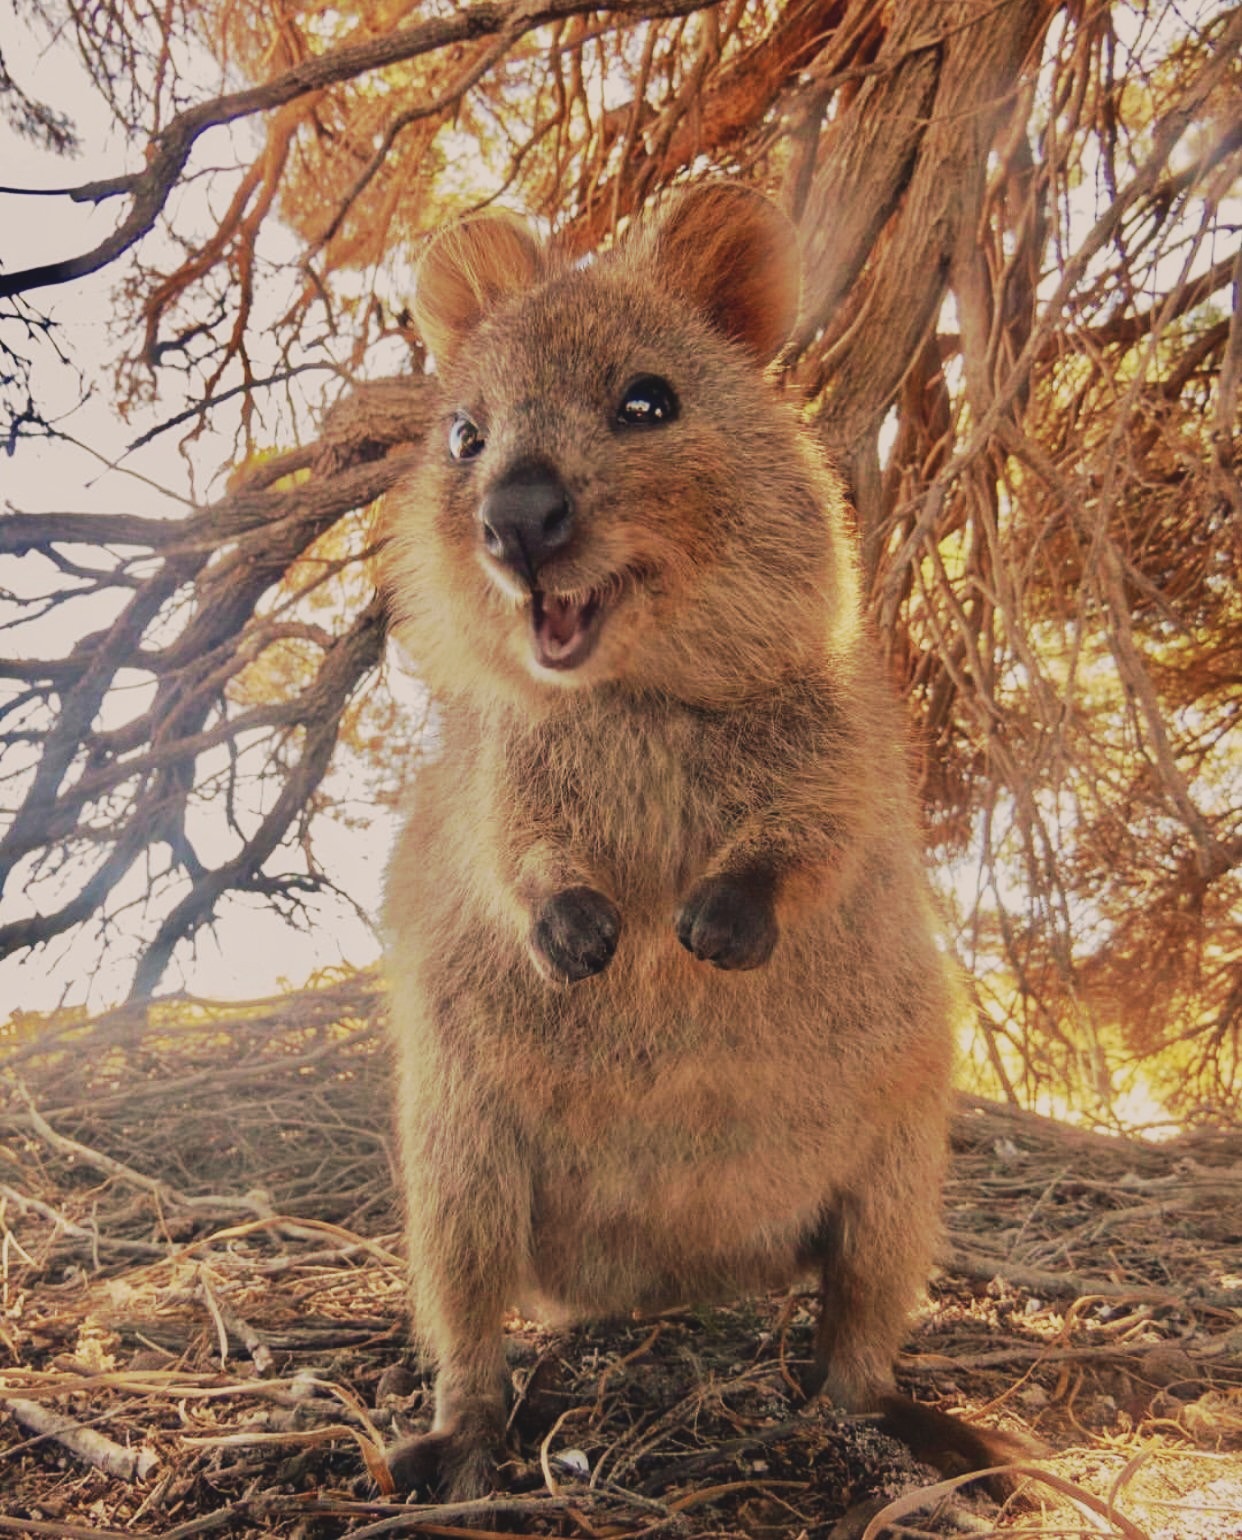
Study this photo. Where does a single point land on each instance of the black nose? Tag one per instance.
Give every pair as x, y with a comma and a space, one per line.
527, 517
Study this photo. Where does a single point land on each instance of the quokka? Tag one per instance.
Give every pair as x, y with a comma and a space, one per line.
670, 1017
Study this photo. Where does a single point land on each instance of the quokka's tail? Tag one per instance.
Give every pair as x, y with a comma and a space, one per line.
952, 1446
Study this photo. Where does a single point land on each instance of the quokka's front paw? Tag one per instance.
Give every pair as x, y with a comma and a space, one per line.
729, 922
575, 935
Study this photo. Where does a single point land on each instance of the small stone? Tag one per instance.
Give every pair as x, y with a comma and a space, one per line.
1231, 1342
395, 1384
149, 1358
574, 1462
1102, 1412
1169, 1367
1033, 1396
1165, 1406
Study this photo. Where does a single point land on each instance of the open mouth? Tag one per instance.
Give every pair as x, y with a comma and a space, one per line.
564, 630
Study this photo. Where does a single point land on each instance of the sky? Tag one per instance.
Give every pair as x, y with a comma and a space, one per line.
247, 952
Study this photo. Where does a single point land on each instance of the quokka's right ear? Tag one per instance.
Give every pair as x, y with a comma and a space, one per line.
468, 269
734, 256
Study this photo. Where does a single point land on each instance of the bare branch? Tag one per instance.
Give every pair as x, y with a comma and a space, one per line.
170, 150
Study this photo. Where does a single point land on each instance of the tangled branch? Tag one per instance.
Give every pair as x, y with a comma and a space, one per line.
1019, 340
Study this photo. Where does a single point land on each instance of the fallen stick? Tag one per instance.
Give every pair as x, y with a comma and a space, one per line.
230, 1326
98, 1243
974, 1264
95, 1448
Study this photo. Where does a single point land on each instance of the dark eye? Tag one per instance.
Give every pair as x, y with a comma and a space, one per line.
647, 402
465, 440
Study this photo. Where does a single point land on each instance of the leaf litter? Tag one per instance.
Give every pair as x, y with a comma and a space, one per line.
202, 1321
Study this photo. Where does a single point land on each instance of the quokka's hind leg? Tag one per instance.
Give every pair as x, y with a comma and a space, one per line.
468, 1201
458, 1299
875, 1249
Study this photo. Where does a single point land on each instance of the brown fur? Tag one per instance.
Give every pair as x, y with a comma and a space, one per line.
725, 766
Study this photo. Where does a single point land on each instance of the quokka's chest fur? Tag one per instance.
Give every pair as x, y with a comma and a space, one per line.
633, 785
644, 787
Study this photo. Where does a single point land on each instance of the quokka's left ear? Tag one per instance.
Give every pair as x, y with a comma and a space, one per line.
733, 255
469, 268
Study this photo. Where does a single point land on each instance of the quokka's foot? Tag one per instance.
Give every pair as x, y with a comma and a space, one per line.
457, 1464
575, 934
729, 922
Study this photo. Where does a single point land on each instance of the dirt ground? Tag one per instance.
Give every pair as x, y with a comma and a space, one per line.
202, 1331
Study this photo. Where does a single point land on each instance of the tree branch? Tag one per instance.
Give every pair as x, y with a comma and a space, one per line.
352, 657
170, 150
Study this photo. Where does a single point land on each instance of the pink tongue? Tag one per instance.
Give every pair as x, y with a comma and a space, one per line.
562, 621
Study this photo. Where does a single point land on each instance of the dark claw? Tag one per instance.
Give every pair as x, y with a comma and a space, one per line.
729, 922
575, 934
